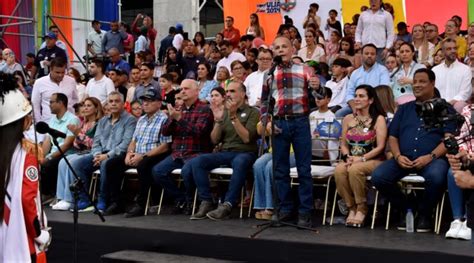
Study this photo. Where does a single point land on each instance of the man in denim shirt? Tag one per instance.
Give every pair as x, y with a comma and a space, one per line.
111, 140
415, 150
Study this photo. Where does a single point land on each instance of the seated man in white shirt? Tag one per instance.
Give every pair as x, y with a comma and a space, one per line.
100, 86
338, 84
453, 78
254, 81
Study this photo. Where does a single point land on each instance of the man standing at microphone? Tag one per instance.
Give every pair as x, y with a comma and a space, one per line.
290, 88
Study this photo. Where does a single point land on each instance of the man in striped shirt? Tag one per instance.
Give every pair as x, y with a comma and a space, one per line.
290, 88
148, 146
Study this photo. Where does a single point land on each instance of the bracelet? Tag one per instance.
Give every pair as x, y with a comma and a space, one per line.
398, 156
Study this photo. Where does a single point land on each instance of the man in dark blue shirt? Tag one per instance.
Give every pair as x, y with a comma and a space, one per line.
46, 54
166, 43
415, 150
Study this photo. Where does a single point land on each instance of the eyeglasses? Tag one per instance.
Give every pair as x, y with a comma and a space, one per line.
265, 59
52, 101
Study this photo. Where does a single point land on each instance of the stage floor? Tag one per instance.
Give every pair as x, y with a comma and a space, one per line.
229, 240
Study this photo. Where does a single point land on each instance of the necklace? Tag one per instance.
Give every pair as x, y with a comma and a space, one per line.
310, 52
362, 123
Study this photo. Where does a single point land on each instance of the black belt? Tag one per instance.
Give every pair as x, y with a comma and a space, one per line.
288, 117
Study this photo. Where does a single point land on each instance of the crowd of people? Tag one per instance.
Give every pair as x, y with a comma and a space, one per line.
197, 105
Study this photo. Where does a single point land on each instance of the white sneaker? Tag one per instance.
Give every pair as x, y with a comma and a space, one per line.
464, 231
62, 206
454, 229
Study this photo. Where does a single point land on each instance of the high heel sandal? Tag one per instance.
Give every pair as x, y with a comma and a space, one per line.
358, 223
361, 210
350, 217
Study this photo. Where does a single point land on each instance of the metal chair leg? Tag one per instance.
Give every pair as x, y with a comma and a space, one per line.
436, 218
388, 217
333, 207
251, 200
242, 192
161, 201
375, 208
148, 201
123, 183
441, 213
94, 191
326, 200
195, 200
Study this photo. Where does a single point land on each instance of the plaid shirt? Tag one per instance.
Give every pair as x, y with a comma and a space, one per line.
192, 133
290, 90
148, 133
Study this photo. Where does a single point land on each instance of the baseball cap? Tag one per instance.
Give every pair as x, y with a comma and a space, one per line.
179, 26
151, 94
51, 35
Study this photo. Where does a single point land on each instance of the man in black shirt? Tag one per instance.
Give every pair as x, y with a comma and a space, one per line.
45, 55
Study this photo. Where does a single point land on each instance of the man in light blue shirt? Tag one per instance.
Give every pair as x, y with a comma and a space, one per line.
371, 73
61, 121
111, 140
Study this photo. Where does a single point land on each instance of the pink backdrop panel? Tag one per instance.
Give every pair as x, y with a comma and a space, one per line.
419, 11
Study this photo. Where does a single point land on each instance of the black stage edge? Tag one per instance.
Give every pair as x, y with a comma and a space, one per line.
218, 241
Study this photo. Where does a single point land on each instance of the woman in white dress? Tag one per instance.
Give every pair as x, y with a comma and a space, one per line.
255, 29
312, 51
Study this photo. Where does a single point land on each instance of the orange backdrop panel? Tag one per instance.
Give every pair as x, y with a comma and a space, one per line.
241, 10
63, 8
419, 11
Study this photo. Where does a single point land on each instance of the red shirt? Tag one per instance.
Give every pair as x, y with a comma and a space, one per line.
233, 35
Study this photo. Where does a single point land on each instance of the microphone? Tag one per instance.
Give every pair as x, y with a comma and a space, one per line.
277, 60
43, 128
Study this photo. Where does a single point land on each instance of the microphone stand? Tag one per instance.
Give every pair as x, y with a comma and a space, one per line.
275, 221
76, 187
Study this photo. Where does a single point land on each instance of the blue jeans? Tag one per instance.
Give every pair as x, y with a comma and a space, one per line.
294, 132
111, 175
387, 174
161, 173
240, 162
456, 197
262, 172
65, 178
343, 111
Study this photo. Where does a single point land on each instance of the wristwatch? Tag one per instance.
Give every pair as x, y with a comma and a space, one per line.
363, 159
433, 156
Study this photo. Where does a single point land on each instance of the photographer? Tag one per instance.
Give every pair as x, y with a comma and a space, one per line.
459, 178
416, 150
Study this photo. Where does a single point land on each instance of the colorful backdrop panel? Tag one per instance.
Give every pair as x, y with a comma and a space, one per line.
12, 41
241, 10
352, 7
419, 11
63, 8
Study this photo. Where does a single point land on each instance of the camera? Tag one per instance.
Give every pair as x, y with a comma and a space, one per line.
437, 113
